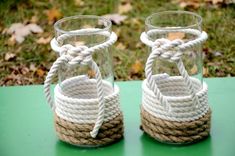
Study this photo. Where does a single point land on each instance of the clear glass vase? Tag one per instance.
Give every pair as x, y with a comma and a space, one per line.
86, 101
86, 30
171, 25
173, 92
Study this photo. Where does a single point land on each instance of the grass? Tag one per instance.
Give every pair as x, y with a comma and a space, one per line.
219, 22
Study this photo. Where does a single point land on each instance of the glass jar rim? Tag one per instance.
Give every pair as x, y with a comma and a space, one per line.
103, 19
198, 17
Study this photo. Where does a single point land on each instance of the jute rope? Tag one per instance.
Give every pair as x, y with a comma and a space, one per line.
78, 134
173, 131
174, 108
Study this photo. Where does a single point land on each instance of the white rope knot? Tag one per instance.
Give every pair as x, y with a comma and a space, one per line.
80, 55
167, 49
76, 55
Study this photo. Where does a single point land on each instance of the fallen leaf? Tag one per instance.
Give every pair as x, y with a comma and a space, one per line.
115, 18
53, 15
137, 67
139, 45
14, 27
24, 70
195, 4
136, 21
121, 46
124, 8
40, 72
11, 41
205, 71
79, 3
34, 19
34, 28
217, 53
91, 73
19, 31
43, 40
214, 2
175, 35
217, 1
9, 56
32, 67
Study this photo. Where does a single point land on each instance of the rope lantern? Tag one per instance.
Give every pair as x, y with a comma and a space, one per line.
174, 108
87, 111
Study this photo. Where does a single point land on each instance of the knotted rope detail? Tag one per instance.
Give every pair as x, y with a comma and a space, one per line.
82, 55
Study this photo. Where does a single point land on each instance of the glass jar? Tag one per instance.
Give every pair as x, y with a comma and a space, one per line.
86, 101
86, 30
174, 96
171, 25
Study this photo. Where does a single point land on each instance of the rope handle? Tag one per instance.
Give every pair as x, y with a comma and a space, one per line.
79, 55
162, 48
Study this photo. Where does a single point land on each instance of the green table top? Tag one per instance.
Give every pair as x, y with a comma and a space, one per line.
26, 125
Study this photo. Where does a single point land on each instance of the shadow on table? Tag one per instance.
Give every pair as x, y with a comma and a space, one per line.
65, 149
152, 147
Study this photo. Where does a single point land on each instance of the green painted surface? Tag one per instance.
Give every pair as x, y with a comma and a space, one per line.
26, 125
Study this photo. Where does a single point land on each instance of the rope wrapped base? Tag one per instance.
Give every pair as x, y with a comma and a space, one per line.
77, 111
79, 134
175, 132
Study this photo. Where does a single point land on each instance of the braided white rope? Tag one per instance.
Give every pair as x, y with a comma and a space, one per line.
77, 101
78, 55
172, 51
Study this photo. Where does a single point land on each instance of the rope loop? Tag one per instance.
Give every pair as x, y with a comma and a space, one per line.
79, 55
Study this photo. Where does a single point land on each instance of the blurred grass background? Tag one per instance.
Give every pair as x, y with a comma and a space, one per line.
30, 61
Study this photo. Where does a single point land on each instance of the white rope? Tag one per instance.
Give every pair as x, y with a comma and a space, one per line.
64, 105
170, 107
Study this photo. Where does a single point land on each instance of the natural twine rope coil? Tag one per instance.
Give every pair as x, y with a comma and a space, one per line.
174, 108
87, 111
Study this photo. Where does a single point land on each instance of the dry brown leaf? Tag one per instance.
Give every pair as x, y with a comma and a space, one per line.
121, 46
9, 56
91, 73
124, 8
136, 21
40, 72
11, 41
43, 40
175, 35
205, 71
217, 1
53, 15
34, 19
32, 67
24, 70
79, 3
137, 67
195, 4
115, 18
